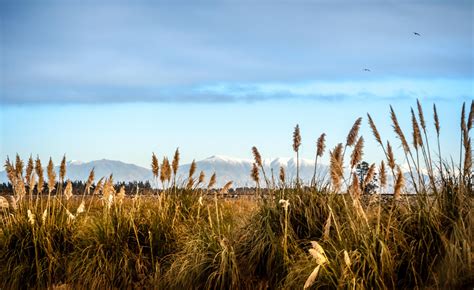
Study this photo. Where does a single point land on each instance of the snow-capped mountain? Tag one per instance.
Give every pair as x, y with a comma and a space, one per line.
226, 169
238, 170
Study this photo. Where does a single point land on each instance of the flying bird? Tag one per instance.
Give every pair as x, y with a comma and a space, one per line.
416, 33
366, 69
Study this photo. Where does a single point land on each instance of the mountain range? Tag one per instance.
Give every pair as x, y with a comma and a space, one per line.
226, 169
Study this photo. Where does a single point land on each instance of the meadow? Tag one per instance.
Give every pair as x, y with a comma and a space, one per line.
329, 233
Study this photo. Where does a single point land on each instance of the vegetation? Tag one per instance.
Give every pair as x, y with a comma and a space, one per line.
332, 233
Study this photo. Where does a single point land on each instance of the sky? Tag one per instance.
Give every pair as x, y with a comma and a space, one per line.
122, 79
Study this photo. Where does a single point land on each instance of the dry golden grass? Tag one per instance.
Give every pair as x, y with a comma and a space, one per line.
292, 236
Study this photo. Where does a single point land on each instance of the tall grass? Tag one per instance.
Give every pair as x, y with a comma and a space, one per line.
328, 233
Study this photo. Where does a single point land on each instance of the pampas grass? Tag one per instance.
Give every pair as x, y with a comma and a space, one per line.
357, 153
320, 146
51, 176
165, 171
255, 175
30, 167
19, 167
336, 167
258, 161
399, 184
89, 182
296, 147
382, 176
353, 133
175, 165
212, 181
155, 167
39, 174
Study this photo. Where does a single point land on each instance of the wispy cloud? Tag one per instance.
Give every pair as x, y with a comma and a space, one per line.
327, 91
66, 52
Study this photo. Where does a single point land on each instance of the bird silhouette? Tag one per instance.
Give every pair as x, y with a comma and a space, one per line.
366, 69
416, 33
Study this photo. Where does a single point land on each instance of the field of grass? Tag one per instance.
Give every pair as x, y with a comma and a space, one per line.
326, 234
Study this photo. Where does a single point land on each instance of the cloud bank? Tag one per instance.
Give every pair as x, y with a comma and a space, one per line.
100, 51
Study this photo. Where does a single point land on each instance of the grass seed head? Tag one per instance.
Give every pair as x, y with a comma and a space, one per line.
436, 120
155, 166
347, 259
398, 130
399, 184
382, 175
312, 277
417, 140
320, 145
282, 175
68, 190
90, 180
212, 181
40, 174
421, 115
81, 208
62, 169
257, 157
31, 217
353, 133
19, 166
30, 167
254, 173
470, 119
358, 152
336, 167
390, 157
201, 178
51, 176
192, 168
175, 163
375, 132
296, 138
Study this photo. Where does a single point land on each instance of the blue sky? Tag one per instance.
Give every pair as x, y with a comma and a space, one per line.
118, 80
